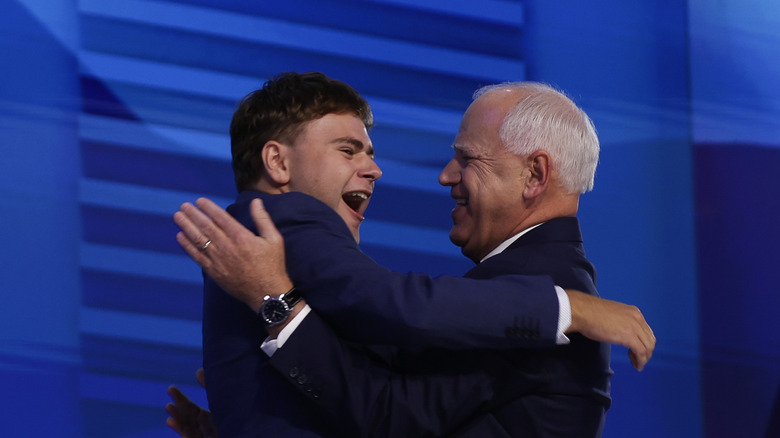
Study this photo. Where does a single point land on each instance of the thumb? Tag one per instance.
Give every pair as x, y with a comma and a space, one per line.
200, 376
265, 226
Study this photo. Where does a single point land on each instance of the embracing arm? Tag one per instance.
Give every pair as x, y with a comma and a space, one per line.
445, 311
364, 301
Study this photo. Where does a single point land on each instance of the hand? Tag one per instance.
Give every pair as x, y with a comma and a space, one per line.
187, 418
612, 322
245, 265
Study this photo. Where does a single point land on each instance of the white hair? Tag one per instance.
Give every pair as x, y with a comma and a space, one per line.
546, 119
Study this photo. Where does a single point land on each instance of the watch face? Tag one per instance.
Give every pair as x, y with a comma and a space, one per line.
275, 311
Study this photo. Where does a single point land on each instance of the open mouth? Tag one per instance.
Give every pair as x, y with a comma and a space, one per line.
356, 200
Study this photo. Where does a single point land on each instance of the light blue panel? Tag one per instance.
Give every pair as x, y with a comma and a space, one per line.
39, 169
141, 328
425, 241
38, 177
734, 63
625, 64
136, 198
736, 109
139, 263
495, 11
297, 37
661, 415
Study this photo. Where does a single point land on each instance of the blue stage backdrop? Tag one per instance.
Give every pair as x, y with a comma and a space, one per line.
114, 113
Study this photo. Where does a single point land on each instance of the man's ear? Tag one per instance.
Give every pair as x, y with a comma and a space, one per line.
540, 167
276, 163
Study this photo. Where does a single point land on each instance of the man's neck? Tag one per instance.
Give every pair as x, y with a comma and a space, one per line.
560, 206
267, 187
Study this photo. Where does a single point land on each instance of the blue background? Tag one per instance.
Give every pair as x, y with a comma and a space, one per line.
114, 113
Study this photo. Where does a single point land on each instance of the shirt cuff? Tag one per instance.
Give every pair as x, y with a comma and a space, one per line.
564, 316
269, 346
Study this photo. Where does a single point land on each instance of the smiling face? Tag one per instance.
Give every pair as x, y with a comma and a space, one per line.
333, 160
486, 180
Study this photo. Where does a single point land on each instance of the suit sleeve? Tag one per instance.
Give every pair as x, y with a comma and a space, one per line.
367, 303
365, 396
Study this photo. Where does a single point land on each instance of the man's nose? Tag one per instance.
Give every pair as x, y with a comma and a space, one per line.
371, 170
450, 175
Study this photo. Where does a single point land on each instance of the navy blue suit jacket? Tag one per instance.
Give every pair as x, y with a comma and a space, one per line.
557, 392
363, 302
574, 379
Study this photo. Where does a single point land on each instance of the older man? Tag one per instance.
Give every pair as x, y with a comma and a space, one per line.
477, 158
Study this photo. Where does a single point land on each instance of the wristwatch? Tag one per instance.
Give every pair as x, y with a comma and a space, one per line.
276, 310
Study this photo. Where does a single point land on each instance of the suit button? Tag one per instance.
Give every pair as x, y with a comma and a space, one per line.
302, 379
293, 372
313, 389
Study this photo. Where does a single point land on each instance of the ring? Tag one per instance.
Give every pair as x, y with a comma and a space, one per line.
206, 245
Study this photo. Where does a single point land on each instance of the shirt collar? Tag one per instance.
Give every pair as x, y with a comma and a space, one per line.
505, 244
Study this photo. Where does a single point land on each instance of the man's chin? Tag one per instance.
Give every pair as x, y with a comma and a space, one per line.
353, 221
457, 240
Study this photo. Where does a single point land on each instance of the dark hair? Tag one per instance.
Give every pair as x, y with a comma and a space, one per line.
279, 111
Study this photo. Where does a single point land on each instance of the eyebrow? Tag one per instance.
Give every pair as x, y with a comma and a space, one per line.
462, 148
356, 143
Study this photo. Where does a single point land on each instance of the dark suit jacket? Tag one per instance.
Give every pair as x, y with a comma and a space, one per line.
556, 392
574, 392
363, 302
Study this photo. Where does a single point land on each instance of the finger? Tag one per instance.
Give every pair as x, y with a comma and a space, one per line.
635, 361
648, 343
647, 340
186, 220
650, 338
205, 423
195, 252
187, 227
200, 375
200, 227
175, 393
639, 353
265, 225
173, 424
220, 218
182, 403
192, 238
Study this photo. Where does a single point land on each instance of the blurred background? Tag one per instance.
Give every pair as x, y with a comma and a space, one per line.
113, 113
